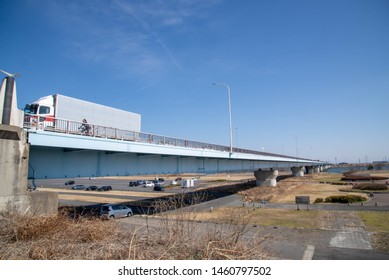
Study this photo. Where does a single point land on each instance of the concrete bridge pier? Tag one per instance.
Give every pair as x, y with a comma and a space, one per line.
316, 169
14, 154
310, 169
266, 177
298, 171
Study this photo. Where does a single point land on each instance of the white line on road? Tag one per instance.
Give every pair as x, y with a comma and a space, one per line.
308, 253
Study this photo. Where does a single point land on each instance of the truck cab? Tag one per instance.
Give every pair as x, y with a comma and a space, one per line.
40, 112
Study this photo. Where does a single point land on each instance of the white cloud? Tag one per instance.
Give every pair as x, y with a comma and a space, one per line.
129, 36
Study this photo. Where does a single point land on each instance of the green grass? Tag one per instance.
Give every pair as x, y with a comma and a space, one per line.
375, 221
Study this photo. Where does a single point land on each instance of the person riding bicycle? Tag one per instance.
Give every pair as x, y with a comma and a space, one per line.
85, 127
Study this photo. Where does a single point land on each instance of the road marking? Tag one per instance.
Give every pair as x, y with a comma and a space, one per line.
308, 253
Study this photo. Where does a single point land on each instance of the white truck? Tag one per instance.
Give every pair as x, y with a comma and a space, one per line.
63, 112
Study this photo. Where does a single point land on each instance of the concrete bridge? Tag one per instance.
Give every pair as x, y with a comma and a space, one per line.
59, 149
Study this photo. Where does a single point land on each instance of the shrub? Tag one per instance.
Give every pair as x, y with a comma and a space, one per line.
345, 199
319, 200
371, 187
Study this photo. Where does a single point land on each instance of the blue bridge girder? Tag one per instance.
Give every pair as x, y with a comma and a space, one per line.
58, 151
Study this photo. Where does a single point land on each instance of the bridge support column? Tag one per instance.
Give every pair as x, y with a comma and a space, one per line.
298, 171
310, 169
266, 177
316, 169
14, 155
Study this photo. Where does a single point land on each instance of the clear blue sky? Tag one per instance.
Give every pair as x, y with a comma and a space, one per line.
312, 71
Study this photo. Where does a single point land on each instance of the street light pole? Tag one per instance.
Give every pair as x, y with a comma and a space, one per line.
229, 110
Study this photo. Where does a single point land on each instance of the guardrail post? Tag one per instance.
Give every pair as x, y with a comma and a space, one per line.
67, 127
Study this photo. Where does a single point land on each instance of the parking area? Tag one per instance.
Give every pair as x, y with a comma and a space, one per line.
88, 191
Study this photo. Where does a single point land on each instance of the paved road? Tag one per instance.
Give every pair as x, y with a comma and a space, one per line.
342, 235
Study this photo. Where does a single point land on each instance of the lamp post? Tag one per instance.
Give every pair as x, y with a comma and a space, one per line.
229, 109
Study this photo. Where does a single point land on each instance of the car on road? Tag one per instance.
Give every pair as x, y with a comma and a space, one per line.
156, 183
149, 184
105, 188
70, 182
91, 188
78, 187
115, 211
141, 182
133, 184
174, 182
159, 188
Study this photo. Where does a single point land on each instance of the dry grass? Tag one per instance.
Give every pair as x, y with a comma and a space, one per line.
263, 216
288, 189
59, 237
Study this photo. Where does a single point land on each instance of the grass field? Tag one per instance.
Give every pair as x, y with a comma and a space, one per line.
262, 217
288, 189
375, 221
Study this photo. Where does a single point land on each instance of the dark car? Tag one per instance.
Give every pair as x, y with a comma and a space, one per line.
70, 182
160, 180
105, 188
141, 182
91, 188
159, 188
78, 187
133, 183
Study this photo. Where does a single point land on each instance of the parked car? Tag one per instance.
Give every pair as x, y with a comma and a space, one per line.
174, 182
133, 183
149, 184
159, 188
78, 187
156, 183
105, 188
141, 182
115, 211
70, 182
91, 188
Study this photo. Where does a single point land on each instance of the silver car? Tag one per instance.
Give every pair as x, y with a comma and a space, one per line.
115, 210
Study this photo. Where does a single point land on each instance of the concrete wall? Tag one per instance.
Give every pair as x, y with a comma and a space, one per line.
14, 197
32, 203
49, 162
13, 161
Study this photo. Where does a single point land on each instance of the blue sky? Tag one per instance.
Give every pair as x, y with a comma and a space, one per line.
306, 73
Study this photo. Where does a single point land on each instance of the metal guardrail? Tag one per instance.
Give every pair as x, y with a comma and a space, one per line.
36, 122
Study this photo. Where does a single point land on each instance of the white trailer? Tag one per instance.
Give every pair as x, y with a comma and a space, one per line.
67, 108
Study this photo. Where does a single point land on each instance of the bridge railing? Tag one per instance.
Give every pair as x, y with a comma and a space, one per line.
36, 122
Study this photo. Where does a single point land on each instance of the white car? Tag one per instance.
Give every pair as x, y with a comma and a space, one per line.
174, 182
149, 184
115, 210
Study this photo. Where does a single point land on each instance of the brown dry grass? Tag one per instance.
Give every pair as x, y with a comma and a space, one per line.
288, 189
263, 216
59, 237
